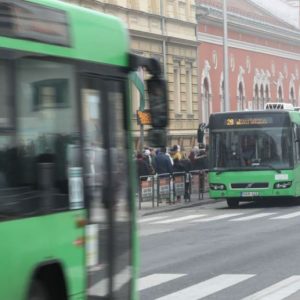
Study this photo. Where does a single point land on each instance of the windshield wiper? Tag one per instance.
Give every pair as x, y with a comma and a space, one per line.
270, 167
220, 171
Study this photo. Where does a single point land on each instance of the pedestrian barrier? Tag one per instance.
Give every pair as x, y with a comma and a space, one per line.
178, 184
204, 183
195, 185
164, 188
170, 187
146, 190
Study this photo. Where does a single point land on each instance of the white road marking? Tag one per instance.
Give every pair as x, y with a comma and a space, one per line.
208, 287
153, 231
150, 219
252, 217
169, 221
278, 291
216, 218
156, 279
101, 288
288, 216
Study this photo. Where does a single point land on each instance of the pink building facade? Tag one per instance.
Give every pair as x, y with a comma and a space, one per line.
264, 58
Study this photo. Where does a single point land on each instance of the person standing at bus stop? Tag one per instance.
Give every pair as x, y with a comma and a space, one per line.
143, 169
163, 163
149, 160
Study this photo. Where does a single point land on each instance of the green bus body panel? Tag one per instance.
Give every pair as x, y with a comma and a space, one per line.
254, 177
30, 242
95, 37
295, 116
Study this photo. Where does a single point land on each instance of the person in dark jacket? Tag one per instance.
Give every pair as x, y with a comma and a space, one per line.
162, 162
183, 165
142, 167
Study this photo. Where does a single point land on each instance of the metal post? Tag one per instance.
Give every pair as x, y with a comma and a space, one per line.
142, 137
299, 14
225, 57
140, 192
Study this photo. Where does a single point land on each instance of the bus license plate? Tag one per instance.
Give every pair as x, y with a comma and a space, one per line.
249, 194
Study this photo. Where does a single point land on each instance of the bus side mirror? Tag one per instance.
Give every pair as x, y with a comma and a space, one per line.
200, 133
158, 102
200, 136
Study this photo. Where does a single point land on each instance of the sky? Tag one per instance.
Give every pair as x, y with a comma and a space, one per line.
281, 10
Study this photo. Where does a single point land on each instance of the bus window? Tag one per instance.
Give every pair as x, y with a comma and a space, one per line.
105, 158
120, 192
34, 158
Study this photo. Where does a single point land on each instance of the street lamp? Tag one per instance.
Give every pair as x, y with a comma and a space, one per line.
225, 58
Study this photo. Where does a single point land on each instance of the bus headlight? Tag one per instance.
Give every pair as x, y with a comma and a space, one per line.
283, 185
217, 186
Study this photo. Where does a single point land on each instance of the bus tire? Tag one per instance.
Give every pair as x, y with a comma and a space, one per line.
232, 202
38, 291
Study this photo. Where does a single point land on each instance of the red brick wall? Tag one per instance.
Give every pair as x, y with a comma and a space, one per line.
258, 60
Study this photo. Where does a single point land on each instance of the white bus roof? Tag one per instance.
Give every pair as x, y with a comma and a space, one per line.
276, 105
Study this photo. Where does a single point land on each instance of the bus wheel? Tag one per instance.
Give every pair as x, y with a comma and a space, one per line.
38, 291
232, 202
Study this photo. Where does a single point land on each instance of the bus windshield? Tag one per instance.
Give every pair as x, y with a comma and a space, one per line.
259, 148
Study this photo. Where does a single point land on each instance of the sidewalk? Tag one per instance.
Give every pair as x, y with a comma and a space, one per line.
147, 208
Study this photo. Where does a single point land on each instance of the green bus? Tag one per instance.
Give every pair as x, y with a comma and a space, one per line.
67, 179
254, 155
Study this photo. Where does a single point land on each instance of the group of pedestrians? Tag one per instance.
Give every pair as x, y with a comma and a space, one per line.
162, 161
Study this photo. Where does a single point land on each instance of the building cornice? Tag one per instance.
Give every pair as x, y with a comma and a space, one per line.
251, 26
146, 13
218, 40
160, 37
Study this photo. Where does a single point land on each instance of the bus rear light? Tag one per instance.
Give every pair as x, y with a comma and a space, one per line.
79, 242
283, 185
217, 186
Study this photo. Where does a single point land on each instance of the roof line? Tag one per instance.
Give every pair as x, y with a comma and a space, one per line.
271, 14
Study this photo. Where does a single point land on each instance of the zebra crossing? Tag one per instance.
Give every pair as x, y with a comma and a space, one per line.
207, 217
279, 290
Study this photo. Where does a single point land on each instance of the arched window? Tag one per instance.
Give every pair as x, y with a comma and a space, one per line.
222, 97
206, 98
261, 98
292, 94
256, 98
280, 96
240, 104
267, 96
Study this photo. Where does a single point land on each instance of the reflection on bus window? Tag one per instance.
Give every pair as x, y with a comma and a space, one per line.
34, 159
252, 148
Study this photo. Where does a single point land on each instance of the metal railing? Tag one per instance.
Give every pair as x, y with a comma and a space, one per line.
170, 187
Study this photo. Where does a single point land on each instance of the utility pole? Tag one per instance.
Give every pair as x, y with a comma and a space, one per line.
225, 58
299, 14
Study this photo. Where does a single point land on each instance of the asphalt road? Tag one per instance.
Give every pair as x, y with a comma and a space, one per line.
213, 252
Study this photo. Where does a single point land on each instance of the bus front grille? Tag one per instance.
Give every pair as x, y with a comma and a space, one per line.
250, 185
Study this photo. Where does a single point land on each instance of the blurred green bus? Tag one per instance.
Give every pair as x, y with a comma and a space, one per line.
255, 155
67, 188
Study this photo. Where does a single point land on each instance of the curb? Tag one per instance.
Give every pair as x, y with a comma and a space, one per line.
170, 208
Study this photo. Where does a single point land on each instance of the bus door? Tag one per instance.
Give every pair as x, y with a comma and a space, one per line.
105, 155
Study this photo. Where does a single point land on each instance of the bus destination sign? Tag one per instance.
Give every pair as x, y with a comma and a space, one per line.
248, 121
